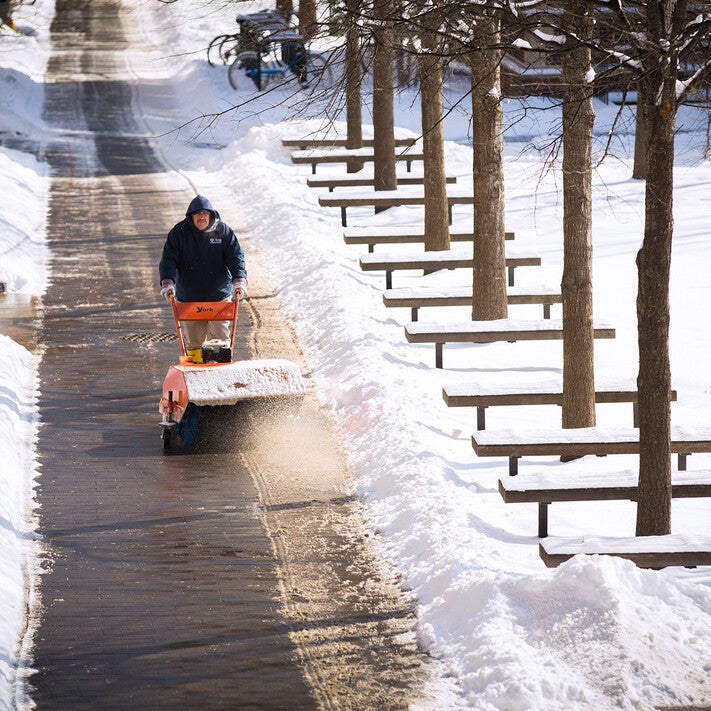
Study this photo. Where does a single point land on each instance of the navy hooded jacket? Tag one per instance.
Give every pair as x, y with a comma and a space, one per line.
202, 264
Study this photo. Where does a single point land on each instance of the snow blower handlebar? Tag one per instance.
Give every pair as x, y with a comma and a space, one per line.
181, 340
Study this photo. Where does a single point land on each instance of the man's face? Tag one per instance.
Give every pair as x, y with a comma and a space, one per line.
201, 220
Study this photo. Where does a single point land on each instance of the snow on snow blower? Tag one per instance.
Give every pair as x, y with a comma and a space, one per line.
209, 377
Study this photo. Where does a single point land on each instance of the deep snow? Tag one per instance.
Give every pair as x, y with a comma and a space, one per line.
595, 633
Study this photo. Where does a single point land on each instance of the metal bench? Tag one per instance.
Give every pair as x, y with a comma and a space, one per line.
579, 442
552, 486
645, 551
546, 393
404, 235
421, 297
381, 199
445, 259
345, 155
490, 332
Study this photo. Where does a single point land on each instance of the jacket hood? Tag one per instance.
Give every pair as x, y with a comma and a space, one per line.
200, 203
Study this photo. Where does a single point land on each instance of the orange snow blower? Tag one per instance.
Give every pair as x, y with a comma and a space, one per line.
209, 376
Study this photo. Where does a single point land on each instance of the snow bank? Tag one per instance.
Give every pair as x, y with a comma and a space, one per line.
24, 185
23, 222
18, 431
515, 636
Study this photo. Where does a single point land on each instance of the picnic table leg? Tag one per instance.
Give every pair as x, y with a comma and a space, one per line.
371, 248
449, 212
388, 279
408, 163
546, 310
542, 519
343, 215
681, 459
438, 355
313, 169
481, 418
513, 465
635, 414
413, 313
511, 275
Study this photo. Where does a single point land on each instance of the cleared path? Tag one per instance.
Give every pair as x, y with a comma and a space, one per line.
235, 576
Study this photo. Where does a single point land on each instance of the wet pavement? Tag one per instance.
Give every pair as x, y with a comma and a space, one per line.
232, 576
162, 589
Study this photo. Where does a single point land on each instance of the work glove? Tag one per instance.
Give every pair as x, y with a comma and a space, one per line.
239, 287
168, 288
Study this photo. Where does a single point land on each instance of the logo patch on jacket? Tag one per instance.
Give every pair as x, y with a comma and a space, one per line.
215, 240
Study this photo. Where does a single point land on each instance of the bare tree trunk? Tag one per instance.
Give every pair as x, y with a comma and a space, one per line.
354, 78
285, 8
7, 7
383, 109
576, 287
639, 167
307, 18
436, 211
654, 266
489, 275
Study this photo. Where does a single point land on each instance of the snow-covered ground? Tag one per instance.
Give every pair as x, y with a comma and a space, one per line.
596, 633
24, 185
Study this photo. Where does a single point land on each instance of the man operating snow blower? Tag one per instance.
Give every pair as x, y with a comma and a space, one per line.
202, 275
202, 261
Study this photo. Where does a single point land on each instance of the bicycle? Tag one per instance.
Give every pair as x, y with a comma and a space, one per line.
262, 66
225, 48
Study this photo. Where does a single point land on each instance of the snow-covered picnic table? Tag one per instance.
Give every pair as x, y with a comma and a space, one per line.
554, 485
430, 261
344, 155
372, 235
547, 392
491, 331
381, 199
645, 551
427, 296
582, 441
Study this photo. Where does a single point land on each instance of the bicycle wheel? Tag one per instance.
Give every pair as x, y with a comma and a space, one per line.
318, 73
230, 47
246, 65
214, 49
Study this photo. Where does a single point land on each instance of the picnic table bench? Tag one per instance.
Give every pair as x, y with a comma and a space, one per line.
380, 199
404, 235
552, 486
490, 332
444, 259
304, 143
425, 296
354, 181
578, 442
344, 155
645, 551
545, 393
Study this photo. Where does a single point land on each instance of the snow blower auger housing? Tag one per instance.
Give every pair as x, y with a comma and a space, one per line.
217, 380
